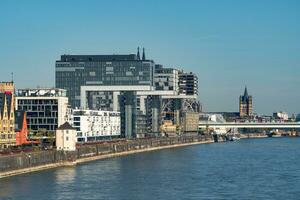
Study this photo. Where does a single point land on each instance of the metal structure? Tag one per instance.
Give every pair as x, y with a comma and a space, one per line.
174, 106
250, 125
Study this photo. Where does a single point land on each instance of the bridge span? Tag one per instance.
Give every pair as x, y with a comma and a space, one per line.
288, 125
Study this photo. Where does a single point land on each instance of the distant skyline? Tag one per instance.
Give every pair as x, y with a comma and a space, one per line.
228, 44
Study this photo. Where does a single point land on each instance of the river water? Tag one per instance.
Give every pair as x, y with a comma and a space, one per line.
248, 169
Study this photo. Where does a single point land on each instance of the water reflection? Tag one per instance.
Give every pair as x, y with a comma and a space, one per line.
6, 189
26, 186
65, 175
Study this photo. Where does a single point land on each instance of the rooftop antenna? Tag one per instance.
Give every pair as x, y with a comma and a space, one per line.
144, 57
138, 53
12, 77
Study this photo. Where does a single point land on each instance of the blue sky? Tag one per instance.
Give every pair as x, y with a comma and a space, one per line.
229, 44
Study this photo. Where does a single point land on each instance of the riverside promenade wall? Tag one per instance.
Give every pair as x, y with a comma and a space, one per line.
253, 135
27, 162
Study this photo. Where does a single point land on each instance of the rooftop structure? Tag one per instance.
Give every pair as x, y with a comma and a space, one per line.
7, 87
42, 92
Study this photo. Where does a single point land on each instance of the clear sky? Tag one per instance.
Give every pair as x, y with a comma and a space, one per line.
229, 44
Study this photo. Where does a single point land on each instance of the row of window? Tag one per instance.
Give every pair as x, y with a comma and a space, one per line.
8, 136
42, 126
42, 121
37, 101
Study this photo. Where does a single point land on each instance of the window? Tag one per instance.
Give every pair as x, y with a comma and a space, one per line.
67, 138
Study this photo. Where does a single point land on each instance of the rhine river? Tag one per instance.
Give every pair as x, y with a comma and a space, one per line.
248, 169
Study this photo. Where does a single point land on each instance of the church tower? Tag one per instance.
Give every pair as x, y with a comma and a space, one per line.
246, 106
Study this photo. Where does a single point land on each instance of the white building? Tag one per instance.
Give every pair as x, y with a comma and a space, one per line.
281, 115
66, 137
46, 108
214, 118
94, 125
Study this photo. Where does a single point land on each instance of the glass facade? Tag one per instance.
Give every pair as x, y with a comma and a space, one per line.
46, 108
41, 113
188, 84
153, 110
165, 78
100, 100
128, 113
73, 71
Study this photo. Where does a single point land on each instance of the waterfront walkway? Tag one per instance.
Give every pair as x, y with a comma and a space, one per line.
34, 161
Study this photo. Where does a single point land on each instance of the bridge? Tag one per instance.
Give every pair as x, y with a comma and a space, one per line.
286, 125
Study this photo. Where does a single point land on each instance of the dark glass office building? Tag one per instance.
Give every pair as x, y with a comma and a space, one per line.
188, 83
128, 113
74, 71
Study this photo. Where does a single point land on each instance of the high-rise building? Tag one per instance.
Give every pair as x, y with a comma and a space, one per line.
166, 78
188, 83
246, 106
102, 82
74, 71
141, 124
7, 117
153, 112
128, 111
46, 108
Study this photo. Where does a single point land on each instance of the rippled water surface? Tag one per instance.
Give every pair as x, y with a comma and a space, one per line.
249, 169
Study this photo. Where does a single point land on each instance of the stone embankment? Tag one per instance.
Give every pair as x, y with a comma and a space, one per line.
253, 135
34, 161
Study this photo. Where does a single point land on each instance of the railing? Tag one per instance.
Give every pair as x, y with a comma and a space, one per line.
251, 125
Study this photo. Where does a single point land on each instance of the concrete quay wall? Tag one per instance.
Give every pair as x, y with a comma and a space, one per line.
253, 135
34, 161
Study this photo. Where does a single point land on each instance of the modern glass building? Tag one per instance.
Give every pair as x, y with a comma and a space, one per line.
46, 108
153, 111
188, 83
128, 112
74, 71
133, 86
166, 78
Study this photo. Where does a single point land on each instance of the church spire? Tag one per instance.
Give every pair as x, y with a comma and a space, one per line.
138, 53
246, 93
144, 57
